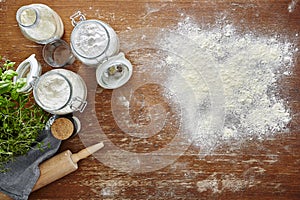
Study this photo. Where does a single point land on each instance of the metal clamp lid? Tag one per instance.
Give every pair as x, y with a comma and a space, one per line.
78, 104
29, 69
78, 15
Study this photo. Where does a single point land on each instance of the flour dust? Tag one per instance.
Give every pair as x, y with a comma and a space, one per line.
224, 84
234, 78
292, 5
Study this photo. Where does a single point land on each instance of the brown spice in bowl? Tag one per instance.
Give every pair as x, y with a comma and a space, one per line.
62, 128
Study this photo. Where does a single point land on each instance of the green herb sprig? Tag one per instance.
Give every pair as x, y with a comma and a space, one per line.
21, 119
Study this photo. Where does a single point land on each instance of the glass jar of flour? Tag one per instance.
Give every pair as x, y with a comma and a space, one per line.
58, 91
92, 41
39, 23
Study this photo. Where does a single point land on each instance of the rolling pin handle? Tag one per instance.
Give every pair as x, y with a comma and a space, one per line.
86, 152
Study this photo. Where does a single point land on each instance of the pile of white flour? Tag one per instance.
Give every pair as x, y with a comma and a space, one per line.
234, 78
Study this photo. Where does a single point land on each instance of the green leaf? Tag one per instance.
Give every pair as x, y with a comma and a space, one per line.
4, 87
4, 84
14, 95
8, 64
21, 82
9, 74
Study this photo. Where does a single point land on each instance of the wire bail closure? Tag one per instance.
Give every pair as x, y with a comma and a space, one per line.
77, 16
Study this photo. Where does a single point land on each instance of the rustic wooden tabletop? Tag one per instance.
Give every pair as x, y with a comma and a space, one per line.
133, 167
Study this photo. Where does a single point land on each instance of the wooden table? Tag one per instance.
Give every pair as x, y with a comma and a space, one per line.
264, 170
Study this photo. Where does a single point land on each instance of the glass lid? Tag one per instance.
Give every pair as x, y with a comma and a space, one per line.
29, 69
26, 16
115, 72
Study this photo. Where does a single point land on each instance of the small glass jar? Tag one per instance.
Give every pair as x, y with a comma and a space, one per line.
39, 23
92, 41
60, 92
74, 120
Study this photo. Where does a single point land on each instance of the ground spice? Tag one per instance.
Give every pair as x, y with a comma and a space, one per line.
62, 128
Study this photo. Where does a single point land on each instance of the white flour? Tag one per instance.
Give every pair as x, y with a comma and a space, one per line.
248, 66
93, 41
39, 23
53, 92
292, 5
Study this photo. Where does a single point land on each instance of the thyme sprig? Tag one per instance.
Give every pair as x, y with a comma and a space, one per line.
21, 119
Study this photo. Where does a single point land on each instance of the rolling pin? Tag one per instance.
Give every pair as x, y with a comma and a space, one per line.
59, 166
62, 165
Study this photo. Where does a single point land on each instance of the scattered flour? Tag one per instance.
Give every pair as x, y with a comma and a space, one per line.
239, 101
292, 5
226, 182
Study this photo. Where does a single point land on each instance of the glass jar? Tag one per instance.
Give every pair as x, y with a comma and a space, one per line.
60, 92
76, 125
92, 41
39, 23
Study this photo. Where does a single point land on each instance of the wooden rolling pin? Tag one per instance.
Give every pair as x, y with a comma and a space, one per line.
59, 166
62, 165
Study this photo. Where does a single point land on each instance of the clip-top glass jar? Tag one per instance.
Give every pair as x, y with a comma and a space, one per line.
92, 41
39, 23
58, 91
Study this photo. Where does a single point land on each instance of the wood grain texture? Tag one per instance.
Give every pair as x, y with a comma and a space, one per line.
269, 169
